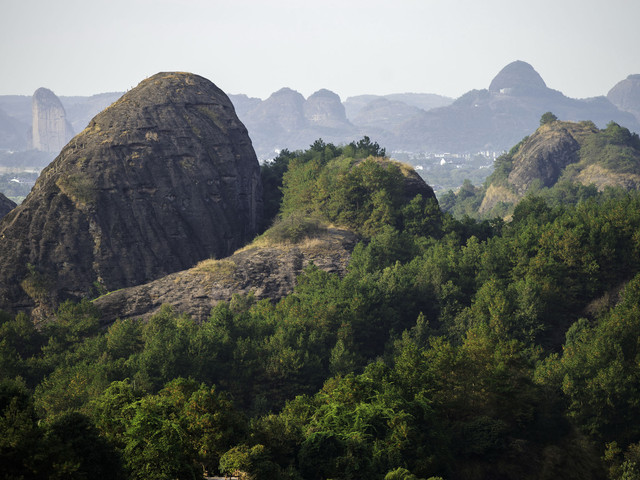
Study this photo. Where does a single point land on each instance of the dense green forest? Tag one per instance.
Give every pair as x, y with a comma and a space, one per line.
453, 349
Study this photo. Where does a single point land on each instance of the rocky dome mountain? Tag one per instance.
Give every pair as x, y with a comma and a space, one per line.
162, 179
6, 205
626, 95
574, 152
485, 119
519, 77
324, 109
287, 120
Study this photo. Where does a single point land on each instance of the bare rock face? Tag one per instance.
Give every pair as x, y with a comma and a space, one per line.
324, 109
626, 95
6, 205
162, 179
543, 157
282, 111
517, 76
266, 271
50, 129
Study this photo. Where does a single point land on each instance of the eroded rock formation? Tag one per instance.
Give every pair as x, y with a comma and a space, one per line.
6, 205
626, 95
50, 129
162, 179
267, 271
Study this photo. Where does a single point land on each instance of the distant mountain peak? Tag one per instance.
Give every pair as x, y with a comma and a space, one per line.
626, 95
517, 75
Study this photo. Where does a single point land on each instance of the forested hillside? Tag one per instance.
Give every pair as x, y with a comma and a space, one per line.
453, 349
564, 162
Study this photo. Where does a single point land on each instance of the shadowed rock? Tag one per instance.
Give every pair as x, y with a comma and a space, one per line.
268, 271
6, 205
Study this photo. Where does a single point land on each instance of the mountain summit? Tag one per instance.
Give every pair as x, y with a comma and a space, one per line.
162, 179
517, 76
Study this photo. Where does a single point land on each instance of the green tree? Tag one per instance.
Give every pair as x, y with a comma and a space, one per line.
77, 451
21, 450
547, 117
156, 438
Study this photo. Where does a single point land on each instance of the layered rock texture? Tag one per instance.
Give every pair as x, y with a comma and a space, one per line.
50, 129
162, 179
6, 205
266, 270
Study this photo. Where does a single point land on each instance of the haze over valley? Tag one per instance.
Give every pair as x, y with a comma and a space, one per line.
446, 139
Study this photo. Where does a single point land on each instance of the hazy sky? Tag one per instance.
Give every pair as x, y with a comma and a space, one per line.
83, 47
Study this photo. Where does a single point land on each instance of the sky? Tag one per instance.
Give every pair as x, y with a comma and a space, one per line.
352, 47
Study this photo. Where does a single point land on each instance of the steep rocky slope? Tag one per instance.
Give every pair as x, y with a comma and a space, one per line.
6, 205
162, 179
80, 110
324, 109
266, 269
545, 155
50, 129
626, 95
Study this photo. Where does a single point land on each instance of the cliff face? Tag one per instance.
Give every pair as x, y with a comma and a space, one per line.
324, 109
545, 155
162, 179
626, 95
50, 129
6, 205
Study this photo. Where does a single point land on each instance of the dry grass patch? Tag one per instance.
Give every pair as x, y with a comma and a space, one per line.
223, 268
